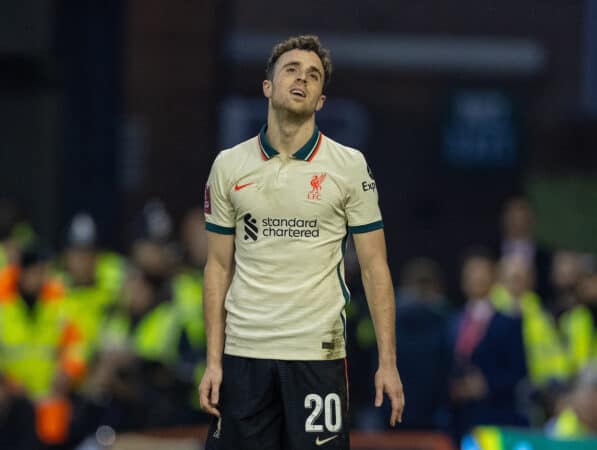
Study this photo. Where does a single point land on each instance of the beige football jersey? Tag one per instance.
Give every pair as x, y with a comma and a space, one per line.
290, 217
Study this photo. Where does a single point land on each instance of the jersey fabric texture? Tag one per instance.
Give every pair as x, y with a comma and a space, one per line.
271, 405
291, 217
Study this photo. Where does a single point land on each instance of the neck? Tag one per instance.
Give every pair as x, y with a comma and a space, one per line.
288, 133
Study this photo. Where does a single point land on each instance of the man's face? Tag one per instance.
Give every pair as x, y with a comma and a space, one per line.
567, 269
516, 275
297, 83
80, 263
33, 278
477, 278
517, 219
152, 258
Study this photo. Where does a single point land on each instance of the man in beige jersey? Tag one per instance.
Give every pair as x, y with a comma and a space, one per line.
278, 210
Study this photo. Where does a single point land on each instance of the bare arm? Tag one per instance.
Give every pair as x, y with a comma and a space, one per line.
217, 278
371, 251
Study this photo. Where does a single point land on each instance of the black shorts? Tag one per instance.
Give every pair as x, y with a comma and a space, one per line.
281, 405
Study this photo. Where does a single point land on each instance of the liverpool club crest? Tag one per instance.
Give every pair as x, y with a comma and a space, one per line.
316, 182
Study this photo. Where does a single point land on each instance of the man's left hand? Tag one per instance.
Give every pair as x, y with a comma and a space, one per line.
387, 379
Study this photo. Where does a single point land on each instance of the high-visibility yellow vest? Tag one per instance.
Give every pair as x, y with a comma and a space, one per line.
545, 353
154, 338
110, 270
188, 300
578, 328
488, 438
568, 426
86, 307
35, 343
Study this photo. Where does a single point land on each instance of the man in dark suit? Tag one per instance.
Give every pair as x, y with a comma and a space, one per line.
518, 238
488, 355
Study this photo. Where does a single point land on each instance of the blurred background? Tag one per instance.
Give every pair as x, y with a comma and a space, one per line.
478, 119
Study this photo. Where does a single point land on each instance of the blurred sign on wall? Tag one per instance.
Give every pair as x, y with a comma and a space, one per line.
481, 130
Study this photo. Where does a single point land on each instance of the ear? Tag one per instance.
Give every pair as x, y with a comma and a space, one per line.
320, 102
267, 88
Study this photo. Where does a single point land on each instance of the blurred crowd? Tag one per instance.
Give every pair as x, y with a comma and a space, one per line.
92, 339
518, 349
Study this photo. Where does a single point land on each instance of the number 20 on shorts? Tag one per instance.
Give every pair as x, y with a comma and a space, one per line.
332, 413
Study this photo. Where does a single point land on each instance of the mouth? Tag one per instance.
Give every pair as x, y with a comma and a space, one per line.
298, 93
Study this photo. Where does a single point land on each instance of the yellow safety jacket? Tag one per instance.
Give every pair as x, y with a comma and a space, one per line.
86, 307
188, 300
187, 289
567, 426
154, 338
35, 344
578, 328
545, 353
110, 269
488, 438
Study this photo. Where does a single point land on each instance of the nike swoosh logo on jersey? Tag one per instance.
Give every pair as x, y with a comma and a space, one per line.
238, 187
320, 442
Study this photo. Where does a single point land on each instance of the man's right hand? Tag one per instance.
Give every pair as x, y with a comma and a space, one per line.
209, 390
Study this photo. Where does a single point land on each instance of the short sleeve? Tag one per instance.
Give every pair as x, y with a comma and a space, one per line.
219, 213
362, 208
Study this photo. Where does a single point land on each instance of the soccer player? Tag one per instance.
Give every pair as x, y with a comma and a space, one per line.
278, 210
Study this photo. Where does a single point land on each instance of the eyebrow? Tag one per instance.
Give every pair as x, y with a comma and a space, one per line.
311, 68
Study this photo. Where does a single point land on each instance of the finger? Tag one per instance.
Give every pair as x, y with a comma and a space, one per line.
395, 409
394, 416
205, 402
215, 393
378, 395
213, 410
203, 397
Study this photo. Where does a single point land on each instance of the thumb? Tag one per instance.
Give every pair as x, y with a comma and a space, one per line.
378, 394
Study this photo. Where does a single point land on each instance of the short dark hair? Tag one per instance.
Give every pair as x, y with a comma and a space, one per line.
304, 42
477, 252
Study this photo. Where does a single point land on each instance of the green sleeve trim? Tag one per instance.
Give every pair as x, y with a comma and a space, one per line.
366, 228
218, 229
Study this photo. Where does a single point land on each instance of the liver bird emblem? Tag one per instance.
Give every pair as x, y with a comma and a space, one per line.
316, 182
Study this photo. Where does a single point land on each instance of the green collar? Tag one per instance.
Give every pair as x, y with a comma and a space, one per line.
305, 153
